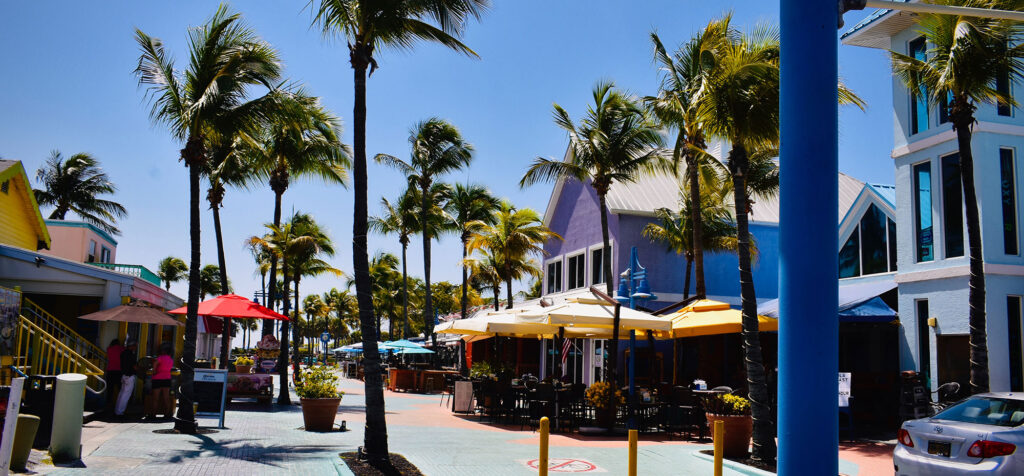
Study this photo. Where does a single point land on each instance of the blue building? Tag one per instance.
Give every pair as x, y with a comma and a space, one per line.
931, 263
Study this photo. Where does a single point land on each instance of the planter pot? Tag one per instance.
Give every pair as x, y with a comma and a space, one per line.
738, 429
605, 417
243, 369
318, 413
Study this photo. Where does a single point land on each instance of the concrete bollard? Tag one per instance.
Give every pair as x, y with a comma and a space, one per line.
719, 446
542, 462
632, 452
24, 433
68, 407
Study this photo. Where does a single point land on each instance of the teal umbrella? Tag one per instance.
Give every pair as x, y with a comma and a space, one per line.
401, 344
414, 350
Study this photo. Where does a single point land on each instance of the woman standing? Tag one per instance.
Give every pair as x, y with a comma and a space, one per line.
160, 393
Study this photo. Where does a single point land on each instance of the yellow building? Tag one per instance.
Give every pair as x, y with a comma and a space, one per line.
21, 224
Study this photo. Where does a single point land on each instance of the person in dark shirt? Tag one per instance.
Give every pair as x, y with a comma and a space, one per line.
129, 363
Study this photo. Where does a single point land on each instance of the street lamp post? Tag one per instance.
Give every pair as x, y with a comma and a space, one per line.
633, 290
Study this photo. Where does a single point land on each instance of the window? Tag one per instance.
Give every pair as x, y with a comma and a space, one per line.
599, 259
918, 99
944, 108
577, 271
849, 256
923, 211
1007, 172
892, 245
554, 277
1003, 87
952, 206
5, 186
104, 254
91, 258
924, 354
1013, 316
874, 252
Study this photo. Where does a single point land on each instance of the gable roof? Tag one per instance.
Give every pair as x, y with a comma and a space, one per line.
14, 170
875, 30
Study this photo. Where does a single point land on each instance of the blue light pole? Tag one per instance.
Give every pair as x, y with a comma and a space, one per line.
633, 279
808, 264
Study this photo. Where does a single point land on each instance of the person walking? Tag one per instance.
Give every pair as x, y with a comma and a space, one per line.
160, 392
112, 374
129, 362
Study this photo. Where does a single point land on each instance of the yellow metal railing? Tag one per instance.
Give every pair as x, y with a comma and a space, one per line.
40, 353
54, 327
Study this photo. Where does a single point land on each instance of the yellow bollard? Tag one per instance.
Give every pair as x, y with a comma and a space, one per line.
719, 446
542, 463
632, 452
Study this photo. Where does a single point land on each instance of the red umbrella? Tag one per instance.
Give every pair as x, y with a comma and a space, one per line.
233, 306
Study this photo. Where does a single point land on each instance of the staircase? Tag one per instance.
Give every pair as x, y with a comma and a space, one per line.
45, 346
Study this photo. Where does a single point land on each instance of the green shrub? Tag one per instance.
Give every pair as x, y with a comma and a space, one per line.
318, 382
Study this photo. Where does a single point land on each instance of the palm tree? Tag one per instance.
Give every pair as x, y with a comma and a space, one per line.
675, 230
306, 260
437, 149
227, 59
469, 203
966, 57
301, 139
366, 27
485, 272
210, 282
385, 287
315, 309
675, 106
171, 270
615, 142
515, 235
401, 220
75, 185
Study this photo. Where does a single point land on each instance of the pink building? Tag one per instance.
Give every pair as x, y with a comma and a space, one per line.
80, 241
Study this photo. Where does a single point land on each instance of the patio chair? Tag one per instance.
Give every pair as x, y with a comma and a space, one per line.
541, 404
571, 409
449, 389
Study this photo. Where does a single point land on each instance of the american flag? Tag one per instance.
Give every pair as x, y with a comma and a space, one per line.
566, 345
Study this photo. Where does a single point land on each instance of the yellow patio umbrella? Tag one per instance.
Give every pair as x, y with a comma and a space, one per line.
593, 313
505, 323
708, 317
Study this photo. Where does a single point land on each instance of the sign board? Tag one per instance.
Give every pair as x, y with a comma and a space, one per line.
268, 364
463, 402
325, 337
844, 389
210, 389
10, 423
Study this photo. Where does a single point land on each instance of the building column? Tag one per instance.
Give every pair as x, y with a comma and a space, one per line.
808, 265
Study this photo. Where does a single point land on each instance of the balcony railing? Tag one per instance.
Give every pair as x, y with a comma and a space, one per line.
136, 270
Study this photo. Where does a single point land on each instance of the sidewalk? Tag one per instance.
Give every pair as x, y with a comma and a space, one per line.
268, 441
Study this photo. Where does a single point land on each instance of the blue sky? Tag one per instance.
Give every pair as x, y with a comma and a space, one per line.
66, 84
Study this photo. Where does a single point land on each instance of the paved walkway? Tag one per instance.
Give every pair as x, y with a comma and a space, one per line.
259, 441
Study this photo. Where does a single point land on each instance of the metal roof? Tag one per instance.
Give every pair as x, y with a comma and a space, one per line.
651, 192
875, 30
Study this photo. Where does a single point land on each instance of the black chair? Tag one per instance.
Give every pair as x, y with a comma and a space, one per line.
571, 407
449, 388
541, 404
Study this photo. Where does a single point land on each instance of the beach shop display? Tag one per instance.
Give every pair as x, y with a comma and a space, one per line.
317, 388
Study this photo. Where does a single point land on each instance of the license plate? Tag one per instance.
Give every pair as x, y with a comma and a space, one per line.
938, 448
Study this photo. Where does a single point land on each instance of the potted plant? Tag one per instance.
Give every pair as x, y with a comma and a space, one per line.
605, 399
243, 365
734, 412
317, 388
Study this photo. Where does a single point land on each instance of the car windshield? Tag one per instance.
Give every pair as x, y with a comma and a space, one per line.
986, 411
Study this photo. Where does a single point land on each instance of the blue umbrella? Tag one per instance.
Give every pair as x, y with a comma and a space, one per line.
401, 344
414, 350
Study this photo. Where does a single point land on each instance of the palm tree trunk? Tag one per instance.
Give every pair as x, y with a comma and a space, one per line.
497, 297
185, 420
268, 325
296, 337
464, 305
508, 293
375, 435
686, 281
428, 301
405, 292
760, 406
607, 261
697, 224
283, 397
978, 338
225, 338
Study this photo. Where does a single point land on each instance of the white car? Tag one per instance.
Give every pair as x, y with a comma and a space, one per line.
983, 434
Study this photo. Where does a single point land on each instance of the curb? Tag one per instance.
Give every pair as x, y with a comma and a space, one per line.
342, 468
739, 468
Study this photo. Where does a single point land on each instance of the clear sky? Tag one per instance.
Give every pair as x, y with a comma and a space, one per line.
66, 84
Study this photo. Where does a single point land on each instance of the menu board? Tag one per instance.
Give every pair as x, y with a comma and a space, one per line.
844, 389
210, 390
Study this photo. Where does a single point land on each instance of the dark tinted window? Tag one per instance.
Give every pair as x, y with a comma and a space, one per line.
849, 256
1013, 326
1009, 199
918, 99
892, 245
923, 211
874, 252
555, 277
576, 271
599, 259
952, 206
986, 411
1003, 86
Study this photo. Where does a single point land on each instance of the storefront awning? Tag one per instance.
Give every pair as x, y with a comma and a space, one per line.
858, 302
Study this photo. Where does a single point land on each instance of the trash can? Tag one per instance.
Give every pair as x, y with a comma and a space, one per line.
40, 391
